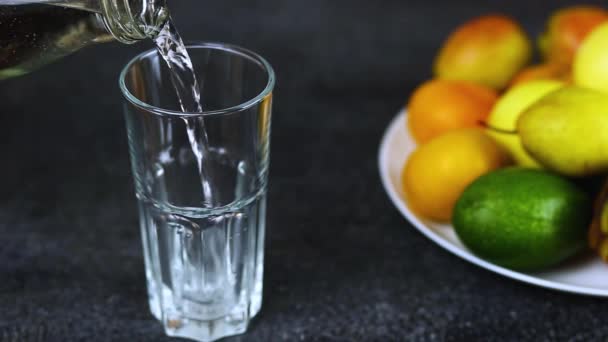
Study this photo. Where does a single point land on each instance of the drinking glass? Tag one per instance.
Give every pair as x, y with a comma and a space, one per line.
200, 182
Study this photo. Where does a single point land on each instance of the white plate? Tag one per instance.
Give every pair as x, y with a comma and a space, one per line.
586, 275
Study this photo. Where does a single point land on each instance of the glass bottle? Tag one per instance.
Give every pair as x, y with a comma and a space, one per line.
37, 32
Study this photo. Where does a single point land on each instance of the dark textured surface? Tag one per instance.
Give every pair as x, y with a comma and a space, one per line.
341, 265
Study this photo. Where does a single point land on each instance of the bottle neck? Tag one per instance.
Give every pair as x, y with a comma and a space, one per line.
133, 20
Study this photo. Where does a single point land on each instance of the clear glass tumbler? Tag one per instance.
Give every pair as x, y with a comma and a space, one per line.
200, 181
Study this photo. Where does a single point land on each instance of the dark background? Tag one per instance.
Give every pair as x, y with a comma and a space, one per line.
341, 263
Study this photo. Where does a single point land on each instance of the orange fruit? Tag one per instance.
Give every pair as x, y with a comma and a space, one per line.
437, 173
439, 106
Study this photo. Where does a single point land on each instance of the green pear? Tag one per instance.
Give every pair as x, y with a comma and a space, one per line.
567, 131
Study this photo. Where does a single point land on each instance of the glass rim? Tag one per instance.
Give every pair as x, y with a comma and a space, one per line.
234, 49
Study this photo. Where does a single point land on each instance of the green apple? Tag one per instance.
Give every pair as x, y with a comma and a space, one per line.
590, 66
502, 121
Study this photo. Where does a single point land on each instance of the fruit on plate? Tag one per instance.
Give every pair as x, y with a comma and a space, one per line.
567, 131
488, 50
439, 106
523, 219
566, 29
502, 121
590, 67
544, 71
486, 108
436, 173
598, 230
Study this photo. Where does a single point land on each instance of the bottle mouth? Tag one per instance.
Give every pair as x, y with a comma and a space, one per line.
133, 20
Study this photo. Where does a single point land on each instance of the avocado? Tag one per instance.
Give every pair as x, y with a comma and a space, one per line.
521, 218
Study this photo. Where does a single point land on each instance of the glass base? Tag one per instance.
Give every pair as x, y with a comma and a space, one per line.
204, 283
176, 280
207, 330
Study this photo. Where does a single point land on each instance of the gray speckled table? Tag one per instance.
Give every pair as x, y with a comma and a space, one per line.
341, 265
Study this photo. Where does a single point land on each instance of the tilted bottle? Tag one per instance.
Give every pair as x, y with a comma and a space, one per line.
37, 32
